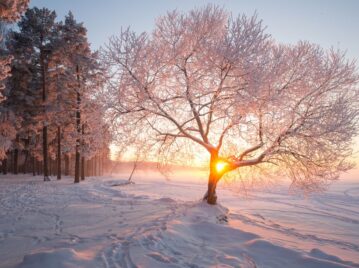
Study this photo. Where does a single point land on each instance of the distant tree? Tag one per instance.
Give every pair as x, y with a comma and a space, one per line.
96, 136
224, 85
82, 70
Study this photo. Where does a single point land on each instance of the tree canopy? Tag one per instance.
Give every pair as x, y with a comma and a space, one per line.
223, 84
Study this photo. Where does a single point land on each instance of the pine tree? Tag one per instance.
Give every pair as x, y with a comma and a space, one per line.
22, 97
55, 79
10, 11
33, 46
81, 67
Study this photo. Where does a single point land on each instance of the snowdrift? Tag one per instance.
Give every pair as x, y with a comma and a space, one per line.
108, 223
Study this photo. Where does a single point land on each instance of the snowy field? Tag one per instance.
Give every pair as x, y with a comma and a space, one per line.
101, 223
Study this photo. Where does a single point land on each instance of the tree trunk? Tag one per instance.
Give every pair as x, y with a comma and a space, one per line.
16, 160
214, 177
82, 168
4, 166
54, 166
33, 161
87, 165
45, 154
82, 156
78, 125
16, 157
96, 165
10, 161
211, 195
67, 165
45, 151
25, 165
37, 167
133, 171
77, 162
50, 166
101, 164
89, 168
58, 153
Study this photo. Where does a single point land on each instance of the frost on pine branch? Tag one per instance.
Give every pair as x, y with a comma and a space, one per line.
221, 83
10, 10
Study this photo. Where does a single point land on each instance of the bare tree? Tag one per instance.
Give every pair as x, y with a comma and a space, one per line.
223, 84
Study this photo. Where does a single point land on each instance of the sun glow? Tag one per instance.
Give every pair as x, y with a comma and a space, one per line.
220, 166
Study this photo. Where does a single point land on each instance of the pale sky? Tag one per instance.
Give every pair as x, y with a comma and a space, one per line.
325, 22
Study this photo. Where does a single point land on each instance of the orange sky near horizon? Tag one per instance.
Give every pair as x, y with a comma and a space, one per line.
202, 163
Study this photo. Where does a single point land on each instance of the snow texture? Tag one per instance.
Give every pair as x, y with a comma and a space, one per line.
109, 223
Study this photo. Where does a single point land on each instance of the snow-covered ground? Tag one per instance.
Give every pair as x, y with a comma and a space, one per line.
101, 223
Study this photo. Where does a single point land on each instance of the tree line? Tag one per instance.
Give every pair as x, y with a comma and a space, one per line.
202, 80
51, 120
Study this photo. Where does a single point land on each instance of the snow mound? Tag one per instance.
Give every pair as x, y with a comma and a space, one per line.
59, 224
59, 258
195, 237
115, 183
317, 253
166, 200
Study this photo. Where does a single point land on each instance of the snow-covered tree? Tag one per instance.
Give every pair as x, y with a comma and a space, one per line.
33, 46
82, 72
52, 92
96, 135
222, 84
10, 11
8, 122
21, 100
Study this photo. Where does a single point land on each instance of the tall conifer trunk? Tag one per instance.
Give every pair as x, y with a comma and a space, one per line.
25, 167
33, 165
94, 166
59, 153
67, 165
82, 168
16, 157
101, 164
44, 130
4, 166
26, 162
82, 156
78, 126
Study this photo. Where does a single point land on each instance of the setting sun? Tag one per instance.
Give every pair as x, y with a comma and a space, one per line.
220, 166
